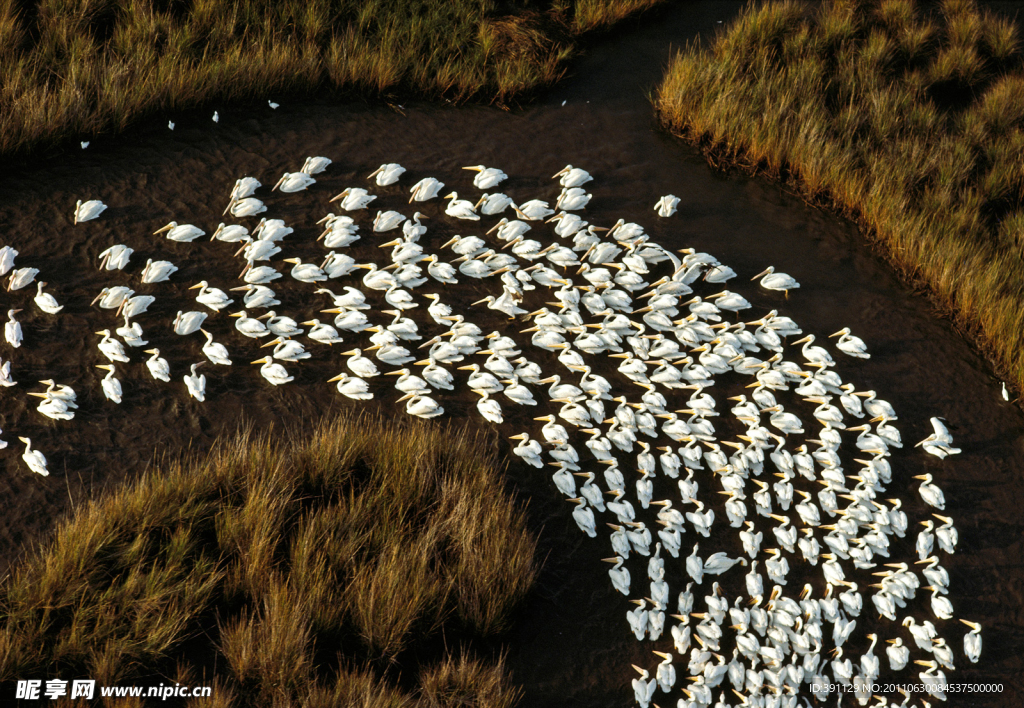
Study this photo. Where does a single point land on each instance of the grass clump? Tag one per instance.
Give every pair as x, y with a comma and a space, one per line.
295, 572
82, 67
908, 118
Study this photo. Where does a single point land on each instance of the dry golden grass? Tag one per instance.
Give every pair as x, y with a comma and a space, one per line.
361, 541
75, 68
909, 120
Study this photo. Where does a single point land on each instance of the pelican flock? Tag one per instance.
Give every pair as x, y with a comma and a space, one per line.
742, 485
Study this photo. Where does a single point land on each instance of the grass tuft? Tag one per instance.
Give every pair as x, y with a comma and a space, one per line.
911, 122
361, 541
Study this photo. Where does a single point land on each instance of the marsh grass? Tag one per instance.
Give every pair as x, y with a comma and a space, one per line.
358, 544
82, 67
908, 118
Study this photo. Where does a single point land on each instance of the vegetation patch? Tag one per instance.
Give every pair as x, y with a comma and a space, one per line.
340, 569
82, 67
907, 118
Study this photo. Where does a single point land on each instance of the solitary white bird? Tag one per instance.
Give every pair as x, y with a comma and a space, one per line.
158, 367
196, 383
183, 233
666, 206
86, 211
387, 173
35, 460
770, 280
45, 301
294, 182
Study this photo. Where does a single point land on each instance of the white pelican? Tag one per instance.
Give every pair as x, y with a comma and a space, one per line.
273, 372
157, 271
45, 301
412, 228
426, 188
111, 348
584, 517
115, 257
533, 210
387, 221
421, 406
666, 206
229, 234
188, 322
185, 233
214, 298
12, 329
131, 333
850, 345
7, 256
215, 352
272, 230
528, 450
488, 407
322, 332
517, 393
111, 386
930, 493
305, 272
972, 641
812, 354
487, 177
506, 303
573, 199
387, 173
135, 305
337, 265
258, 250
353, 198
776, 281
196, 384
360, 365
35, 460
315, 165
408, 382
491, 204
352, 387
158, 367
249, 326
399, 298
876, 408
572, 176
258, 275
244, 187
293, 182
257, 296
21, 277
250, 206
940, 442
460, 208
86, 211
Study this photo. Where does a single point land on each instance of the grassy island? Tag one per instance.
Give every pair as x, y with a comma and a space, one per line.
75, 68
361, 565
908, 118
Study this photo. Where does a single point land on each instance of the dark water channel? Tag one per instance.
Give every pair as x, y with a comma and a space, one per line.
570, 645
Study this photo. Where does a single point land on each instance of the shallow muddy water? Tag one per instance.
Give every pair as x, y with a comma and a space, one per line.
570, 644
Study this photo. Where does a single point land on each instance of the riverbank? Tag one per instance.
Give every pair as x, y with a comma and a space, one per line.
908, 121
74, 70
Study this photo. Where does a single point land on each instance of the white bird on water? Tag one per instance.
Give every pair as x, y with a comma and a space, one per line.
87, 211
294, 182
770, 280
666, 206
188, 322
35, 460
45, 301
387, 173
183, 233
273, 372
940, 442
158, 367
111, 386
196, 383
487, 177
12, 329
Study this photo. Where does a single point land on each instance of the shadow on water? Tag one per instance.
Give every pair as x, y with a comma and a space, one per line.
570, 644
